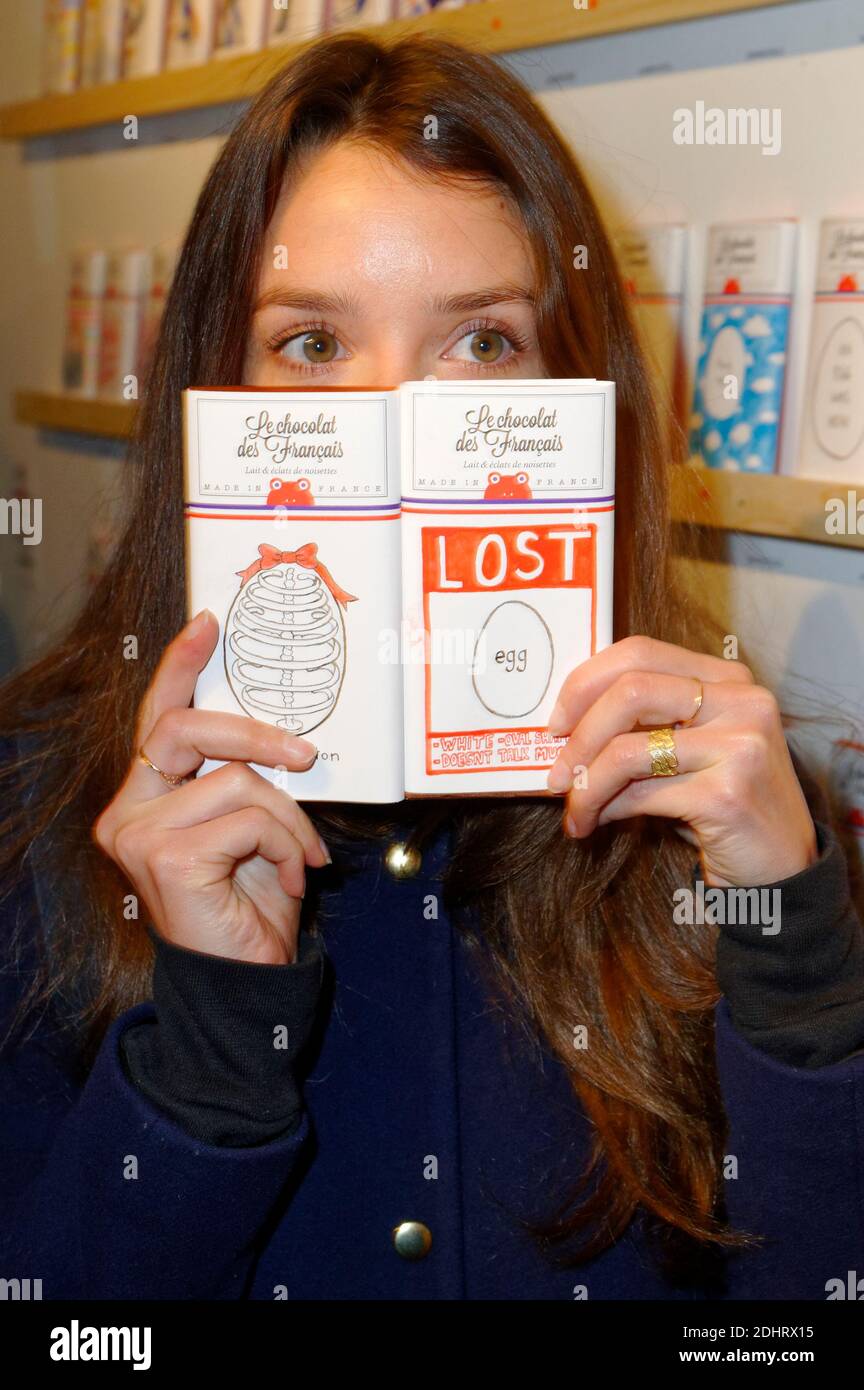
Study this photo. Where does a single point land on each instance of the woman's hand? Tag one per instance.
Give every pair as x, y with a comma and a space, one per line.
735, 794
219, 860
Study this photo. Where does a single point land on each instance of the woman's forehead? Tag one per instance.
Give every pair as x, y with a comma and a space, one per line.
373, 217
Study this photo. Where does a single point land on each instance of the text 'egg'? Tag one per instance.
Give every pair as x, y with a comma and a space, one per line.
513, 659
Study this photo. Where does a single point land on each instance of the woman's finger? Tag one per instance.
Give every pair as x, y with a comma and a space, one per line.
639, 697
217, 845
228, 789
669, 798
627, 759
181, 663
181, 739
588, 681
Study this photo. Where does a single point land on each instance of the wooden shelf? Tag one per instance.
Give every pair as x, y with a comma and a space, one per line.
496, 26
761, 504
108, 419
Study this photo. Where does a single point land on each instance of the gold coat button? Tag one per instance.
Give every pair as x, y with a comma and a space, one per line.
412, 1240
403, 861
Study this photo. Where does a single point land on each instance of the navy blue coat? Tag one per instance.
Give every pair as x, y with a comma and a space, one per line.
415, 1063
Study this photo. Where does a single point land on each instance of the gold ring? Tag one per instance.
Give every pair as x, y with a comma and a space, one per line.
661, 750
697, 699
174, 779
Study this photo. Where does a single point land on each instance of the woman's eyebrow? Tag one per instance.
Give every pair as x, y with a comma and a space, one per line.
481, 299
344, 303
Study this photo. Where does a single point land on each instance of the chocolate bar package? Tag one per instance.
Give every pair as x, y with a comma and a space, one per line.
404, 576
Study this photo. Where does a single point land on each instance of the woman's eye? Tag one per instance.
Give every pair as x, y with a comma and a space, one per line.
317, 345
482, 345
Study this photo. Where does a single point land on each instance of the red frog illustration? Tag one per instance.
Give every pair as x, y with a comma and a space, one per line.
847, 284
508, 486
732, 286
291, 492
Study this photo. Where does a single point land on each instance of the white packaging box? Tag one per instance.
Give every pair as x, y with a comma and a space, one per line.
163, 262
652, 264
85, 302
508, 506
413, 9
101, 42
414, 617
738, 401
189, 38
63, 23
123, 322
832, 433
239, 447
240, 26
343, 14
145, 31
294, 20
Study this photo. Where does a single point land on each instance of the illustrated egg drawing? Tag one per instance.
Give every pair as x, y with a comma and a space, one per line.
285, 647
513, 659
837, 398
727, 361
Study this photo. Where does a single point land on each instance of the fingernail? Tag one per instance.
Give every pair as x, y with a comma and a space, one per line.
325, 851
557, 720
301, 749
197, 624
570, 827
559, 778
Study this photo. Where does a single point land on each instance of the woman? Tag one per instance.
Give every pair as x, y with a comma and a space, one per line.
436, 1049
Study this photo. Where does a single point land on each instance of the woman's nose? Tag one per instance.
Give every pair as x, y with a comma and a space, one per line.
389, 365
385, 372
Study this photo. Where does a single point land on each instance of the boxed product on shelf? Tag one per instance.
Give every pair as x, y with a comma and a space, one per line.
240, 26
652, 265
409, 9
832, 433
62, 45
341, 14
163, 260
438, 552
295, 19
741, 371
144, 36
189, 37
101, 542
86, 297
123, 315
101, 41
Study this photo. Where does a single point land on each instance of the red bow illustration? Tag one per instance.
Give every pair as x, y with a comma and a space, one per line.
305, 556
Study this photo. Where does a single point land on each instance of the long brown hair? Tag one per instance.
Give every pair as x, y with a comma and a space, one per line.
576, 932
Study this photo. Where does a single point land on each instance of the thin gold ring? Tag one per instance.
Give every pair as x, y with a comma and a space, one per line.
174, 779
697, 705
661, 750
